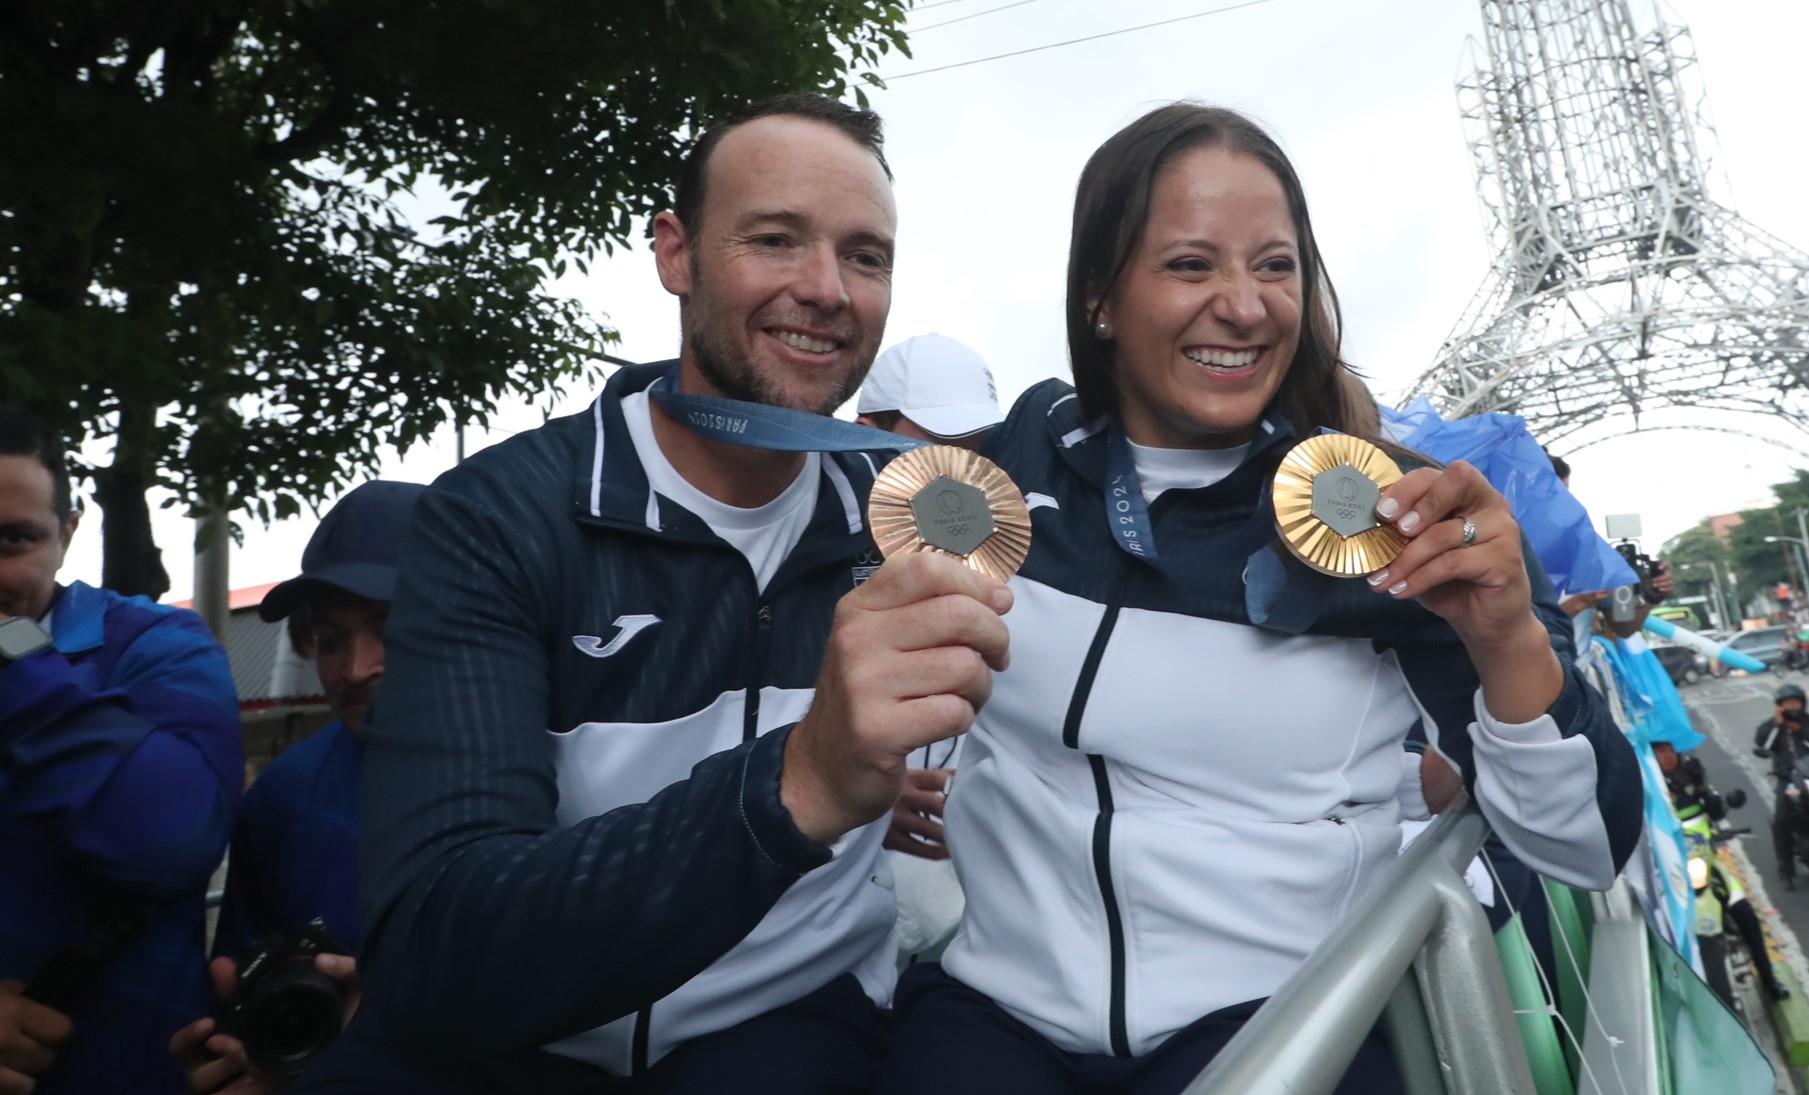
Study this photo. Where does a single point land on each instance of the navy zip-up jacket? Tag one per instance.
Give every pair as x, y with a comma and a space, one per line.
295, 848
571, 788
120, 770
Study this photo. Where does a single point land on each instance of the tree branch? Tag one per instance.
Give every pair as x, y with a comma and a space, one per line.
303, 143
144, 26
334, 117
27, 37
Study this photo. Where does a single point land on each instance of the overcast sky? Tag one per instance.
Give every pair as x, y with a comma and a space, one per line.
1360, 92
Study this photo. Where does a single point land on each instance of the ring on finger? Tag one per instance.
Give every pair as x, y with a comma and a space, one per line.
1469, 533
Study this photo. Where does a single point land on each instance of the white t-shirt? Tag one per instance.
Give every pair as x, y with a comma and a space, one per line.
765, 534
1183, 469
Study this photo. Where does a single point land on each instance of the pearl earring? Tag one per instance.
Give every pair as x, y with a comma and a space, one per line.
1103, 329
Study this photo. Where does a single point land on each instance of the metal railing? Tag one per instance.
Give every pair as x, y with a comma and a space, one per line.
1620, 1039
1452, 1025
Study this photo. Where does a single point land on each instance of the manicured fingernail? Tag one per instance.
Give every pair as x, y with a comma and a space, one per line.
1377, 578
1388, 509
1001, 600
1396, 588
1411, 521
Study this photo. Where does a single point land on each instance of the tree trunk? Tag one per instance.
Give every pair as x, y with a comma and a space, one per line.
131, 561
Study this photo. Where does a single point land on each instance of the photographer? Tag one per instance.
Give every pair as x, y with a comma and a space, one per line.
292, 886
1654, 586
1781, 739
120, 769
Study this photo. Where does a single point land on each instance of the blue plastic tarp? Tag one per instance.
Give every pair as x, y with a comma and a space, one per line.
1574, 555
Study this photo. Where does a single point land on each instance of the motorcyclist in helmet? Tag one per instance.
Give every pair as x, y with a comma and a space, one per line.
1781, 738
1692, 796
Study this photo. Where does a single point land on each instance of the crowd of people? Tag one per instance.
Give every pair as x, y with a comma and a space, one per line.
634, 724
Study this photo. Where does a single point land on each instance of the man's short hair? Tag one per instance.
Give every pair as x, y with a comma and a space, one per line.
863, 127
884, 420
22, 434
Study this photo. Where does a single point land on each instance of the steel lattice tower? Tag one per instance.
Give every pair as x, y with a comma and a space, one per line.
1622, 297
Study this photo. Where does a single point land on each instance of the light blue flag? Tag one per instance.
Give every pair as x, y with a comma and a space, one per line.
1655, 720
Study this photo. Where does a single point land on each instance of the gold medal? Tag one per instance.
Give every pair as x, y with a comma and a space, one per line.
1326, 492
950, 501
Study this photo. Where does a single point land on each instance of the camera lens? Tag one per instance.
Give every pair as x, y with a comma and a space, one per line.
295, 1015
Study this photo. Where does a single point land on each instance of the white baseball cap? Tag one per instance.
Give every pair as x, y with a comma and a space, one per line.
936, 382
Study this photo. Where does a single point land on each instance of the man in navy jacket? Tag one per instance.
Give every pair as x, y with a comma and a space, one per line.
295, 848
625, 783
120, 771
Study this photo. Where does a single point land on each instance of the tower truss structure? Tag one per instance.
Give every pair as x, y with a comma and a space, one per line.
1622, 296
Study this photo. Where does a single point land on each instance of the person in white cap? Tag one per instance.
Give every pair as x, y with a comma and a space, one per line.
933, 388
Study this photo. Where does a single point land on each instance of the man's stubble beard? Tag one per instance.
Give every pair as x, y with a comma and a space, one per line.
737, 378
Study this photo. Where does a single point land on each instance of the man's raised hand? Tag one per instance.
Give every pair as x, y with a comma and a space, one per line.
909, 662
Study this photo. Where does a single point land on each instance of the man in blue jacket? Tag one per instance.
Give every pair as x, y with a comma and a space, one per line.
295, 849
120, 772
625, 784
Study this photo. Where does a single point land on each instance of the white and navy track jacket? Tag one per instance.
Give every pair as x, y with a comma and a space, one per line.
1164, 808
572, 832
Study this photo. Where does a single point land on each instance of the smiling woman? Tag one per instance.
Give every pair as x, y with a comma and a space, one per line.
1195, 282
1195, 762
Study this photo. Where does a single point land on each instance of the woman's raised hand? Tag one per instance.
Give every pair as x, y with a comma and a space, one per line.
1464, 561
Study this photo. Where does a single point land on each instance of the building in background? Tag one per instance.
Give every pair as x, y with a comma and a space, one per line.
280, 698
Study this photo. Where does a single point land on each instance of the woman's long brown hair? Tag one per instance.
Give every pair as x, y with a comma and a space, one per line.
1111, 208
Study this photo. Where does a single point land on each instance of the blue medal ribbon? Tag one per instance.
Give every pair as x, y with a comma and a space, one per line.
759, 426
1127, 513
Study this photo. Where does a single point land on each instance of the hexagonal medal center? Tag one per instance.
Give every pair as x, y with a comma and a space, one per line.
1345, 499
952, 515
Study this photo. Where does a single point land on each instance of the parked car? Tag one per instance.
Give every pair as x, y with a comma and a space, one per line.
1683, 664
1765, 643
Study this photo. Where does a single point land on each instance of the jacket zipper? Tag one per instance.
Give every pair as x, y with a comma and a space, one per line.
637, 1059
1354, 848
763, 630
1102, 868
1117, 1026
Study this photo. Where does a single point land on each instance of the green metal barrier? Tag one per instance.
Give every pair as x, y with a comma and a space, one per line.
1703, 1046
1570, 926
1539, 1035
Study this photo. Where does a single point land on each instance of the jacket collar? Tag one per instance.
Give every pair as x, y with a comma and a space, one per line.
1083, 444
611, 486
78, 619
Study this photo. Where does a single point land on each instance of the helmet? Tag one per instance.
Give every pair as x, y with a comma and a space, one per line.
1789, 692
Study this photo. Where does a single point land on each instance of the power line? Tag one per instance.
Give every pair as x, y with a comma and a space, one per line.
975, 15
1071, 41
937, 4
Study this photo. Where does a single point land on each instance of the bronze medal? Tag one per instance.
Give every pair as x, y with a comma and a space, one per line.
1325, 495
950, 501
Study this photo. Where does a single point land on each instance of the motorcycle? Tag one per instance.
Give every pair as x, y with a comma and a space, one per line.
1796, 651
1796, 801
1724, 961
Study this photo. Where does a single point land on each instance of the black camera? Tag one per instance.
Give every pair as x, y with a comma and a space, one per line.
1790, 715
284, 1010
1646, 567
1624, 528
